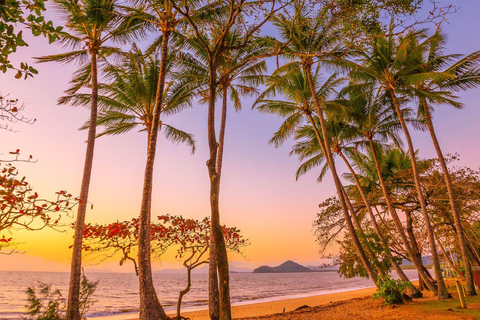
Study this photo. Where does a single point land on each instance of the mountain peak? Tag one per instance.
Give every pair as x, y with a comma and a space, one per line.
288, 266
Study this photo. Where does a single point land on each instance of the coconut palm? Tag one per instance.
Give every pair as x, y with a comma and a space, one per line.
344, 139
297, 106
238, 73
390, 63
160, 16
375, 123
440, 75
92, 26
127, 100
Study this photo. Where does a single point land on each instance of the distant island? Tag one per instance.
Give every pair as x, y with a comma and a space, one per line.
290, 267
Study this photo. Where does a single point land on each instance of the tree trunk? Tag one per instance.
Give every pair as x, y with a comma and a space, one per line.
216, 230
325, 145
73, 302
398, 224
213, 294
442, 289
470, 285
184, 292
363, 237
150, 307
412, 290
449, 261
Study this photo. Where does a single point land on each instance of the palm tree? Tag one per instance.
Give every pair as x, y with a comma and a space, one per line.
127, 100
440, 75
390, 63
91, 25
376, 123
297, 107
343, 142
158, 15
238, 73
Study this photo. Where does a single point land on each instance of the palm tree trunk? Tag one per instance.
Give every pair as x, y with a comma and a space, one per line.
73, 302
213, 282
184, 292
470, 285
328, 155
150, 307
218, 242
412, 290
363, 237
442, 289
398, 224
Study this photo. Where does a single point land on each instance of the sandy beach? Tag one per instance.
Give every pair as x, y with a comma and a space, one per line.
354, 304
273, 307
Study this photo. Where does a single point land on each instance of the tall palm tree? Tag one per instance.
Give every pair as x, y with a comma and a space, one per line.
161, 16
297, 107
390, 62
93, 25
238, 73
440, 75
310, 38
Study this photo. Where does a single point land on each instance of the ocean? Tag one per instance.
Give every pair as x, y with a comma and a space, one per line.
117, 293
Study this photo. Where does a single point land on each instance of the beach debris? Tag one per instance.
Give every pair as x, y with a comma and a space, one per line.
302, 308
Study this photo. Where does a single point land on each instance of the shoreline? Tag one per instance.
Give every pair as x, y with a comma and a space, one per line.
264, 306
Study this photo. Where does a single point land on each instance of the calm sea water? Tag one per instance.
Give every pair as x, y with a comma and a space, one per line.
117, 293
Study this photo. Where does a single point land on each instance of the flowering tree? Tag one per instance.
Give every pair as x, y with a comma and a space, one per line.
22, 208
190, 237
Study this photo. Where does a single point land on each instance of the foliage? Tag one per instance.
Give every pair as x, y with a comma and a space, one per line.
27, 13
390, 290
350, 265
190, 237
22, 208
50, 305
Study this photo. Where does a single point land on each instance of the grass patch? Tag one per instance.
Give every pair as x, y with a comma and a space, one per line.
473, 305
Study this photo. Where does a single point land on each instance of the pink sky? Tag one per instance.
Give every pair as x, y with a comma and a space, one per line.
259, 193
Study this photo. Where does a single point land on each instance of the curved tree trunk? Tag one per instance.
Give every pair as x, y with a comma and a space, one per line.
218, 242
325, 145
184, 292
73, 311
398, 224
470, 285
150, 307
412, 290
442, 289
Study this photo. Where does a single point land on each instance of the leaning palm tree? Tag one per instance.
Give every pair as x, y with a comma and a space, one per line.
92, 25
238, 72
440, 75
390, 63
343, 143
374, 124
297, 106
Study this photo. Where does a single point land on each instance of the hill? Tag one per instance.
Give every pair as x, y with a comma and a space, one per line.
286, 267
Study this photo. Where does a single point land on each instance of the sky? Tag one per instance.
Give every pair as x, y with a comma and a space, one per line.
259, 194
